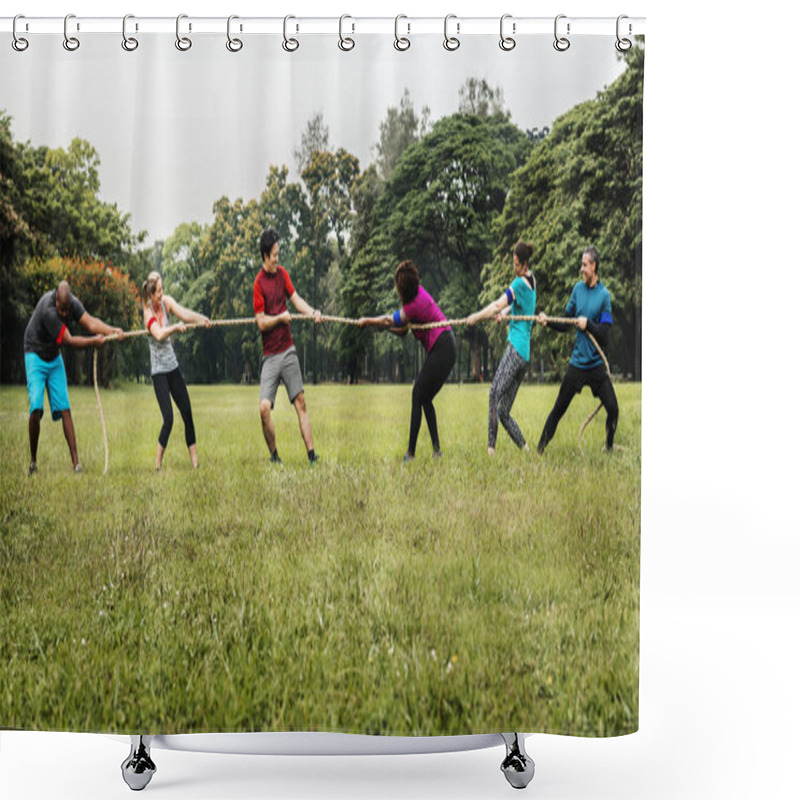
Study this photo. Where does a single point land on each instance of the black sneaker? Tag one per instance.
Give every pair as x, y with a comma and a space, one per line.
313, 460
32, 468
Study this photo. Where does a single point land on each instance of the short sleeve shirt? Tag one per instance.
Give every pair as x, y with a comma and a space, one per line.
45, 330
595, 305
270, 291
519, 331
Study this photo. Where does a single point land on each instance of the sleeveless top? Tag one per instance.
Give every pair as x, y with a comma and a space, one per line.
162, 356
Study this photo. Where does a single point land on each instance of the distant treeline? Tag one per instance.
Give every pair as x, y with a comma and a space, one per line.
454, 196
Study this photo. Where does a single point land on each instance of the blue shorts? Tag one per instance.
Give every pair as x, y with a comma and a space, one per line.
49, 375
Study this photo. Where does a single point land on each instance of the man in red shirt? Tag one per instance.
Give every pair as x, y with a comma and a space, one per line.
279, 360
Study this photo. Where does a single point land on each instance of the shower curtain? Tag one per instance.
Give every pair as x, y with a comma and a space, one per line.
270, 513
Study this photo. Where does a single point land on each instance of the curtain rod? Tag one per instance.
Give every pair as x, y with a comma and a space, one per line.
347, 25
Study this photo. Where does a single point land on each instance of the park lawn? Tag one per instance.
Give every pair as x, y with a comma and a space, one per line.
462, 595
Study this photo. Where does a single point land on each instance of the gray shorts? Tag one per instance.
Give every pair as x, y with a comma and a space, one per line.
284, 367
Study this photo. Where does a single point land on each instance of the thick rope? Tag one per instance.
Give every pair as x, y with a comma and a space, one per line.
345, 321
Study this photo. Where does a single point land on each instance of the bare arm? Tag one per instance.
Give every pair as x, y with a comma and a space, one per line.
387, 322
82, 342
157, 331
492, 310
265, 322
185, 314
95, 326
305, 308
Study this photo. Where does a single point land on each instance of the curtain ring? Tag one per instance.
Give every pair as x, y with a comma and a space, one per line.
70, 42
451, 43
233, 45
622, 44
18, 42
183, 43
128, 42
289, 44
507, 42
401, 42
561, 43
345, 43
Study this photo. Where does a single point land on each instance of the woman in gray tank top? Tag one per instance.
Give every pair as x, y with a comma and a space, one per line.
167, 379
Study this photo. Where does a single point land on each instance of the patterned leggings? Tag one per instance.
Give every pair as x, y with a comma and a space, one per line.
507, 381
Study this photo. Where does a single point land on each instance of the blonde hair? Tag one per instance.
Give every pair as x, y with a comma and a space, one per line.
149, 289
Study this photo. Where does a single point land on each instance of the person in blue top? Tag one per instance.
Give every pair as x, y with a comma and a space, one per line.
519, 300
590, 303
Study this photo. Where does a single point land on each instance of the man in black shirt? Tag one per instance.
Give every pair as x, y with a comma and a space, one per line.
47, 331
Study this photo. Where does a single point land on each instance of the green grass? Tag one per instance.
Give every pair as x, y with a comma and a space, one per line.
465, 595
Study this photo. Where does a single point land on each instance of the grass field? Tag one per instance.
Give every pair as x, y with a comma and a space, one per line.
464, 595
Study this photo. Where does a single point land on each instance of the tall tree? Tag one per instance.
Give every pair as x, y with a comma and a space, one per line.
400, 128
314, 137
477, 97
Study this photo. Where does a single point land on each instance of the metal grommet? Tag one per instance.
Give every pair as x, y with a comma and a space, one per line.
19, 43
70, 42
345, 42
451, 42
623, 44
128, 42
401, 42
183, 43
561, 43
507, 42
290, 44
233, 45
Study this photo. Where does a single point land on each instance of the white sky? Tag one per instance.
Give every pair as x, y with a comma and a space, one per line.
176, 131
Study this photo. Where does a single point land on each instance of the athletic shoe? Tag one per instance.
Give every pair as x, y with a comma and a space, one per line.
77, 469
437, 454
313, 461
407, 457
32, 468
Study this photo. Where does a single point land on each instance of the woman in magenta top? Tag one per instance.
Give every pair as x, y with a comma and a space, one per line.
439, 343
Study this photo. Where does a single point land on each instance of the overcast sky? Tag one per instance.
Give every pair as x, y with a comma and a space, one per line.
176, 131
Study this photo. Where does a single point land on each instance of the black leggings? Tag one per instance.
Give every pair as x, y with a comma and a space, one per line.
602, 388
431, 378
172, 383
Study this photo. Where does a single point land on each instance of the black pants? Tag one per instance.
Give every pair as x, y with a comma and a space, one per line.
430, 380
172, 383
602, 388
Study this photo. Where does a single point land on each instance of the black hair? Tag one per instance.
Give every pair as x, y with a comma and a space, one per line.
523, 251
406, 278
267, 241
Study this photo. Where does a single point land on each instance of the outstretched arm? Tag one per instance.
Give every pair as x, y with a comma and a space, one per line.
492, 310
396, 323
560, 327
95, 326
185, 314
